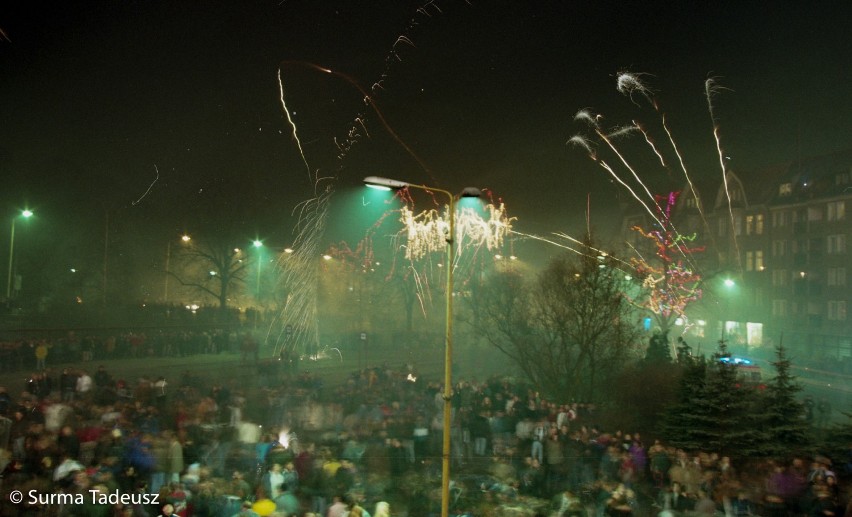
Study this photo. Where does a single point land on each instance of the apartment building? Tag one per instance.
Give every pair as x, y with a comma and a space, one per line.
775, 260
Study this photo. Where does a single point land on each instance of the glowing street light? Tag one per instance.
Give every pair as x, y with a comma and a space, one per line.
380, 183
26, 214
184, 239
729, 283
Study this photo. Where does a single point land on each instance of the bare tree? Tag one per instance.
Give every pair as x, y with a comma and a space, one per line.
213, 267
568, 331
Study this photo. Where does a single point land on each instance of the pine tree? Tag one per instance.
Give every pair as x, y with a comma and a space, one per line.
783, 415
658, 349
715, 411
684, 423
732, 429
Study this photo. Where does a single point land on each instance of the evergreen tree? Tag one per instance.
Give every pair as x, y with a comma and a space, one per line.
783, 415
685, 422
714, 411
732, 430
658, 349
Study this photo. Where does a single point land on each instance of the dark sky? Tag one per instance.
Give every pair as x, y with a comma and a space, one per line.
101, 100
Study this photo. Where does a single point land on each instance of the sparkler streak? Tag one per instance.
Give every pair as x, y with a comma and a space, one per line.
711, 89
157, 171
298, 270
651, 143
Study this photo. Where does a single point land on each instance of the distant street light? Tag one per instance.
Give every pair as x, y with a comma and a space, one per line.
729, 283
185, 239
26, 214
258, 244
389, 184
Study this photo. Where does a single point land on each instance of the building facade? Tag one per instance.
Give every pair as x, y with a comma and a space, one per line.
775, 260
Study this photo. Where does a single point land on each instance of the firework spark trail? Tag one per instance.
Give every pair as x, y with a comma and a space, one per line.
621, 157
585, 143
299, 268
596, 250
292, 124
711, 89
157, 171
586, 115
628, 84
632, 192
368, 100
651, 143
298, 272
426, 232
574, 250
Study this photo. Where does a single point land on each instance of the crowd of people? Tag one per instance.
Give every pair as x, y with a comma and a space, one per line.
27, 353
368, 446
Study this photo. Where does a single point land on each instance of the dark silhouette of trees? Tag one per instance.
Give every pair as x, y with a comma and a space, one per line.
570, 331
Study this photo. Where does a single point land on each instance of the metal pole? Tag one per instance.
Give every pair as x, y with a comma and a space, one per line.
168, 258
448, 365
11, 257
106, 257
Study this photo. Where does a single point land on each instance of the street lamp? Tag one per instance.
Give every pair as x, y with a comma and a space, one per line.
258, 244
389, 184
26, 214
184, 238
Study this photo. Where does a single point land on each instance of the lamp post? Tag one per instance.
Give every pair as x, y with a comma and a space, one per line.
389, 184
26, 214
184, 238
258, 244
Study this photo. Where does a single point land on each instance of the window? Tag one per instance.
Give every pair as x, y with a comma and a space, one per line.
779, 277
836, 243
749, 224
691, 202
758, 224
836, 211
836, 276
815, 213
736, 194
837, 310
723, 227
754, 260
779, 248
779, 308
738, 225
785, 189
779, 219
842, 178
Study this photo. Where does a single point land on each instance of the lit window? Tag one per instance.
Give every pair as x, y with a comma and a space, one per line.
836, 276
836, 211
758, 224
836, 243
785, 189
758, 261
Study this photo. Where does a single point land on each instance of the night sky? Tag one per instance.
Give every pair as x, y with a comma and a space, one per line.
157, 117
